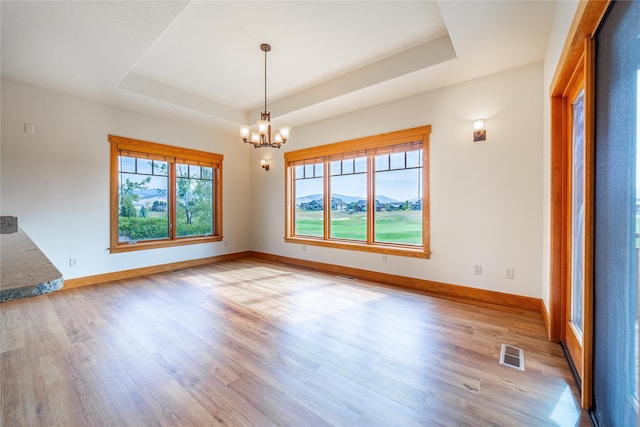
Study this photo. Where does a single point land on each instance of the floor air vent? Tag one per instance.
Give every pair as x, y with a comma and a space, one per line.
512, 356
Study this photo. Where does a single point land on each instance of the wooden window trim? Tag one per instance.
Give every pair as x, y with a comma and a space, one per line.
376, 144
156, 151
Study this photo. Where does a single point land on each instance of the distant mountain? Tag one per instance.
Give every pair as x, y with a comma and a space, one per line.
149, 192
346, 199
309, 198
385, 199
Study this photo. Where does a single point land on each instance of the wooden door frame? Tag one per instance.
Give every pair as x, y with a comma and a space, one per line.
578, 47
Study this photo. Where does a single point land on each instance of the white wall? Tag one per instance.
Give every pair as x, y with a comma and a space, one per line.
56, 181
564, 13
486, 198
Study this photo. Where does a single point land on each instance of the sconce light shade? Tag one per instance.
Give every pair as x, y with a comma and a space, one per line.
264, 164
479, 132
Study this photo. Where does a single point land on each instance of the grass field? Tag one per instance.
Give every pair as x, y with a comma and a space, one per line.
403, 227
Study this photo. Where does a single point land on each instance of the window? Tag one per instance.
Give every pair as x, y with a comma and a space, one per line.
368, 194
163, 195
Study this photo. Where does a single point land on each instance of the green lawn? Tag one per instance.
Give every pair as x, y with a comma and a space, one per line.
399, 227
309, 223
403, 227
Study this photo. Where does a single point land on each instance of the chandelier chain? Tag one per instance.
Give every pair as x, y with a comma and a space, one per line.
265, 80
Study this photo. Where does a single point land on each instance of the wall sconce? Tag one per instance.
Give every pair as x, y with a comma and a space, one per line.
264, 164
479, 132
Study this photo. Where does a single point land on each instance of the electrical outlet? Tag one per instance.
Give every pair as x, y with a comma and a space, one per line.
384, 258
509, 273
73, 262
477, 269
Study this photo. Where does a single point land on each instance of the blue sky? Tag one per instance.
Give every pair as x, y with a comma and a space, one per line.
400, 185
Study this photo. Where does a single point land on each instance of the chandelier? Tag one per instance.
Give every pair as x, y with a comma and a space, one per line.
263, 137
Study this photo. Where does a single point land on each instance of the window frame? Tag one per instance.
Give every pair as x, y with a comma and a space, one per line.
173, 155
369, 146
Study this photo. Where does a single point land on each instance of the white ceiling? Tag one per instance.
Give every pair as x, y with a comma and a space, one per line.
201, 60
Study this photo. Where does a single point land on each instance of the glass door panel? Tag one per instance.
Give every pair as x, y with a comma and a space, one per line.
577, 213
573, 328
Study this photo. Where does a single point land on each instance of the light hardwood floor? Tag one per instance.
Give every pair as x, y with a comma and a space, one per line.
252, 343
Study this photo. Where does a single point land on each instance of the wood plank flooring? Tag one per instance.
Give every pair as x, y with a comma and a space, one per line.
250, 343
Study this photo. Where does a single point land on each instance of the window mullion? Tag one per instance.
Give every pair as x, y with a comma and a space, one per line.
172, 201
326, 209
371, 203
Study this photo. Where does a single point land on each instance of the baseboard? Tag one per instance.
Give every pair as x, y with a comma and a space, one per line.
136, 272
440, 289
443, 290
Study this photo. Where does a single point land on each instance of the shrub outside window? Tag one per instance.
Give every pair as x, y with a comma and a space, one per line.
368, 194
163, 195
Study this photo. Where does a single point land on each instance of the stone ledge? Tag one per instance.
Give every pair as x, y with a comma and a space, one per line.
31, 291
24, 270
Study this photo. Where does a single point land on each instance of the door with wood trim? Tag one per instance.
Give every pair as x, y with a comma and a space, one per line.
568, 229
572, 218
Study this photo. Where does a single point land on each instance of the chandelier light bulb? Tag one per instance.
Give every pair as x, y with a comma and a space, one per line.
263, 127
284, 132
244, 132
